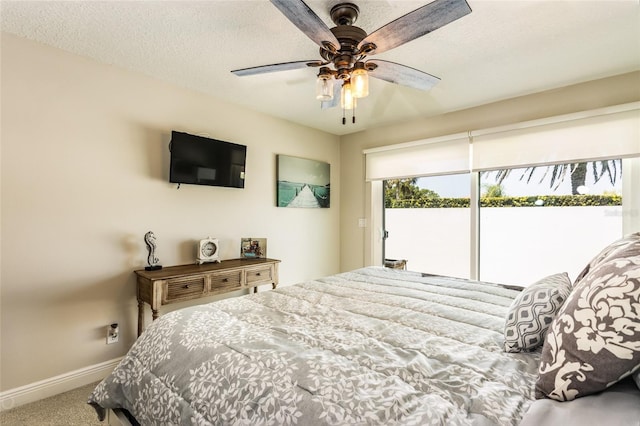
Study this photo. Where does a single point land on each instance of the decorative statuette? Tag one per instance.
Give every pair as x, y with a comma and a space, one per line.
150, 240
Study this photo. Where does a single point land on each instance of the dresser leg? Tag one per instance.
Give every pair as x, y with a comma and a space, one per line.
140, 317
154, 314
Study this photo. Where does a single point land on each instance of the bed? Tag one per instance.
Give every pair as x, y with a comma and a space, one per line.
371, 346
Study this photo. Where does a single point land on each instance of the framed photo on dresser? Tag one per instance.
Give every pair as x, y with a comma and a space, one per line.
252, 248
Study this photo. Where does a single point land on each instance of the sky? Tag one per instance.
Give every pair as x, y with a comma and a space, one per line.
458, 186
302, 170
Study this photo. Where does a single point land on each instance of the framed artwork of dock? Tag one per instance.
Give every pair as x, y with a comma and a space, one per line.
303, 183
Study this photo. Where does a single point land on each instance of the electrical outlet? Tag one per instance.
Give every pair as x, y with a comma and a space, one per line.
113, 333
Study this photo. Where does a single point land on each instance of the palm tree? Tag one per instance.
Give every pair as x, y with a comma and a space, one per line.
401, 188
576, 171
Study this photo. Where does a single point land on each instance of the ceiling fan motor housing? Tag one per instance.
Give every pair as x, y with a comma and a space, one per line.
349, 38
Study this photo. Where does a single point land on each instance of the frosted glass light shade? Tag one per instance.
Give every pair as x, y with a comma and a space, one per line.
360, 83
347, 101
324, 88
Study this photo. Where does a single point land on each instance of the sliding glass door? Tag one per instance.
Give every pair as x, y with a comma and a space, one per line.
537, 221
427, 222
509, 204
532, 222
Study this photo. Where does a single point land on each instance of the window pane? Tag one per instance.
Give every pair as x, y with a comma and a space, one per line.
428, 221
543, 220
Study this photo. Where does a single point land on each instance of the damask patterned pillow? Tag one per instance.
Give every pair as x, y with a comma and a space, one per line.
595, 339
532, 312
608, 252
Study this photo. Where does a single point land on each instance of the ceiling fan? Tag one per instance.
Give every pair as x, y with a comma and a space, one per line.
343, 71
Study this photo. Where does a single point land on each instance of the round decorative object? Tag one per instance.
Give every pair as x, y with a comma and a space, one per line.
208, 250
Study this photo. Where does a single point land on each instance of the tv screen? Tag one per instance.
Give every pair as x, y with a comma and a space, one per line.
202, 161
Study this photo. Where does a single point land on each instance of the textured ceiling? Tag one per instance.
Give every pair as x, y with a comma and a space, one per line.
501, 50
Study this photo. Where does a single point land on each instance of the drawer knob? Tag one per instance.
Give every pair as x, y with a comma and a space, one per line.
225, 280
185, 286
259, 273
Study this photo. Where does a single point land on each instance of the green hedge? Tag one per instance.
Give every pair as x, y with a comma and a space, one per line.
539, 201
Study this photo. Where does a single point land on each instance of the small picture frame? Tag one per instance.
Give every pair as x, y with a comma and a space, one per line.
253, 248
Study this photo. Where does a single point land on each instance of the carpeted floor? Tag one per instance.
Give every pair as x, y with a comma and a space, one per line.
67, 409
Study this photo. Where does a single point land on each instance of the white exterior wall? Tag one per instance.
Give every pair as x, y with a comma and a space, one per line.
517, 245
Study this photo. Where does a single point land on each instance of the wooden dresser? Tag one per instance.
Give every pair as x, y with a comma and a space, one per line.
185, 282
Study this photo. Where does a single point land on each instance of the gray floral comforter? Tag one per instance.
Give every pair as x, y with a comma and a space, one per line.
373, 346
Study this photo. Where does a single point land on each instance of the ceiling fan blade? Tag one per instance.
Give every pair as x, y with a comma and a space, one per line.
307, 21
337, 88
402, 74
285, 66
415, 24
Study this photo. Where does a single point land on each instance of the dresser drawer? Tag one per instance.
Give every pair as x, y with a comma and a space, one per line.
263, 274
225, 281
184, 288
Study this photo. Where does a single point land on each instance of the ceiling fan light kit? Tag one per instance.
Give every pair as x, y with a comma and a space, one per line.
347, 99
343, 70
360, 80
324, 85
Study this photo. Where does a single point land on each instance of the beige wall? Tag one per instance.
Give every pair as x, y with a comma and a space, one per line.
84, 176
356, 243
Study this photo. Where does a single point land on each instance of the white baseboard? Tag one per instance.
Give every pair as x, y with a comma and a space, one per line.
55, 385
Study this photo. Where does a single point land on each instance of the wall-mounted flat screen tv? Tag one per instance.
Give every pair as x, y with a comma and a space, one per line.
203, 161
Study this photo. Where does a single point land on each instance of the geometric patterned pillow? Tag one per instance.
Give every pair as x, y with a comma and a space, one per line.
532, 312
594, 341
